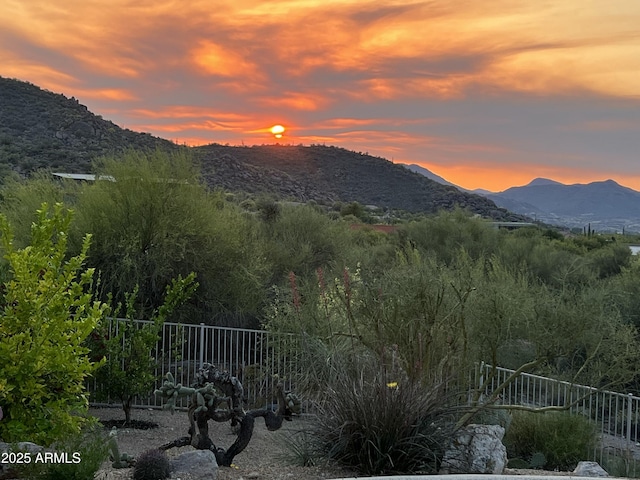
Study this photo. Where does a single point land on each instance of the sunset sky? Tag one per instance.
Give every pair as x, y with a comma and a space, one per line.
487, 94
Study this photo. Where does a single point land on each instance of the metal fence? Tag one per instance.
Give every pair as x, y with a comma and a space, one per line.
258, 358
616, 415
261, 359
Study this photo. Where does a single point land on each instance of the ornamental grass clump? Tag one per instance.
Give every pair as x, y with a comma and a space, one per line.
376, 421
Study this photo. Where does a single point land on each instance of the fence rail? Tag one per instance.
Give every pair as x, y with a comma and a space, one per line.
616, 415
256, 357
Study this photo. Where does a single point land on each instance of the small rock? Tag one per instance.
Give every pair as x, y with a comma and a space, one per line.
253, 475
590, 469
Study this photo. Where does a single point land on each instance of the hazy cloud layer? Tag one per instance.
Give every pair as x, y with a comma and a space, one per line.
485, 94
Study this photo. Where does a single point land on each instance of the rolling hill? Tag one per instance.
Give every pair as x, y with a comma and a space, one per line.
41, 129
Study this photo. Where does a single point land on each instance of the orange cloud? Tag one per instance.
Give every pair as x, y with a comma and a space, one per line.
342, 123
444, 88
383, 123
185, 126
295, 101
605, 125
440, 48
115, 94
184, 111
179, 123
83, 31
214, 59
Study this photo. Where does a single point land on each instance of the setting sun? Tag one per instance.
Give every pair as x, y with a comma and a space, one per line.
277, 131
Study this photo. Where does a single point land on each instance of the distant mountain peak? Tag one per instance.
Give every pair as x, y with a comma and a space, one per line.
609, 182
536, 182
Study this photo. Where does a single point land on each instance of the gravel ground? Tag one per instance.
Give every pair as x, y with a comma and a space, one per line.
263, 459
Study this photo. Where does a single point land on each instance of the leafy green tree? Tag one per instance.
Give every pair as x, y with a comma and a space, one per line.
301, 239
610, 260
47, 312
448, 232
157, 220
128, 346
356, 210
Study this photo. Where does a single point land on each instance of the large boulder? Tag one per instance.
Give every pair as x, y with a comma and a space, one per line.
475, 449
198, 464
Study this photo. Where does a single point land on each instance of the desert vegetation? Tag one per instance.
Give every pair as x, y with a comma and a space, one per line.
398, 317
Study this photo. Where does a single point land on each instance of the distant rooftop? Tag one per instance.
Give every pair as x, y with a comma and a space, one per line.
88, 177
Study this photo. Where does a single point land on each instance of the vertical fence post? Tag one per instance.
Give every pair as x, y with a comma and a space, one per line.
202, 341
629, 413
480, 382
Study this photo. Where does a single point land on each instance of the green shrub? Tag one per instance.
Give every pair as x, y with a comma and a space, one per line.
47, 312
563, 439
300, 239
85, 453
620, 465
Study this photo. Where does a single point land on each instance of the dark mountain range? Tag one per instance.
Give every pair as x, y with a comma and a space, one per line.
41, 129
605, 205
600, 199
